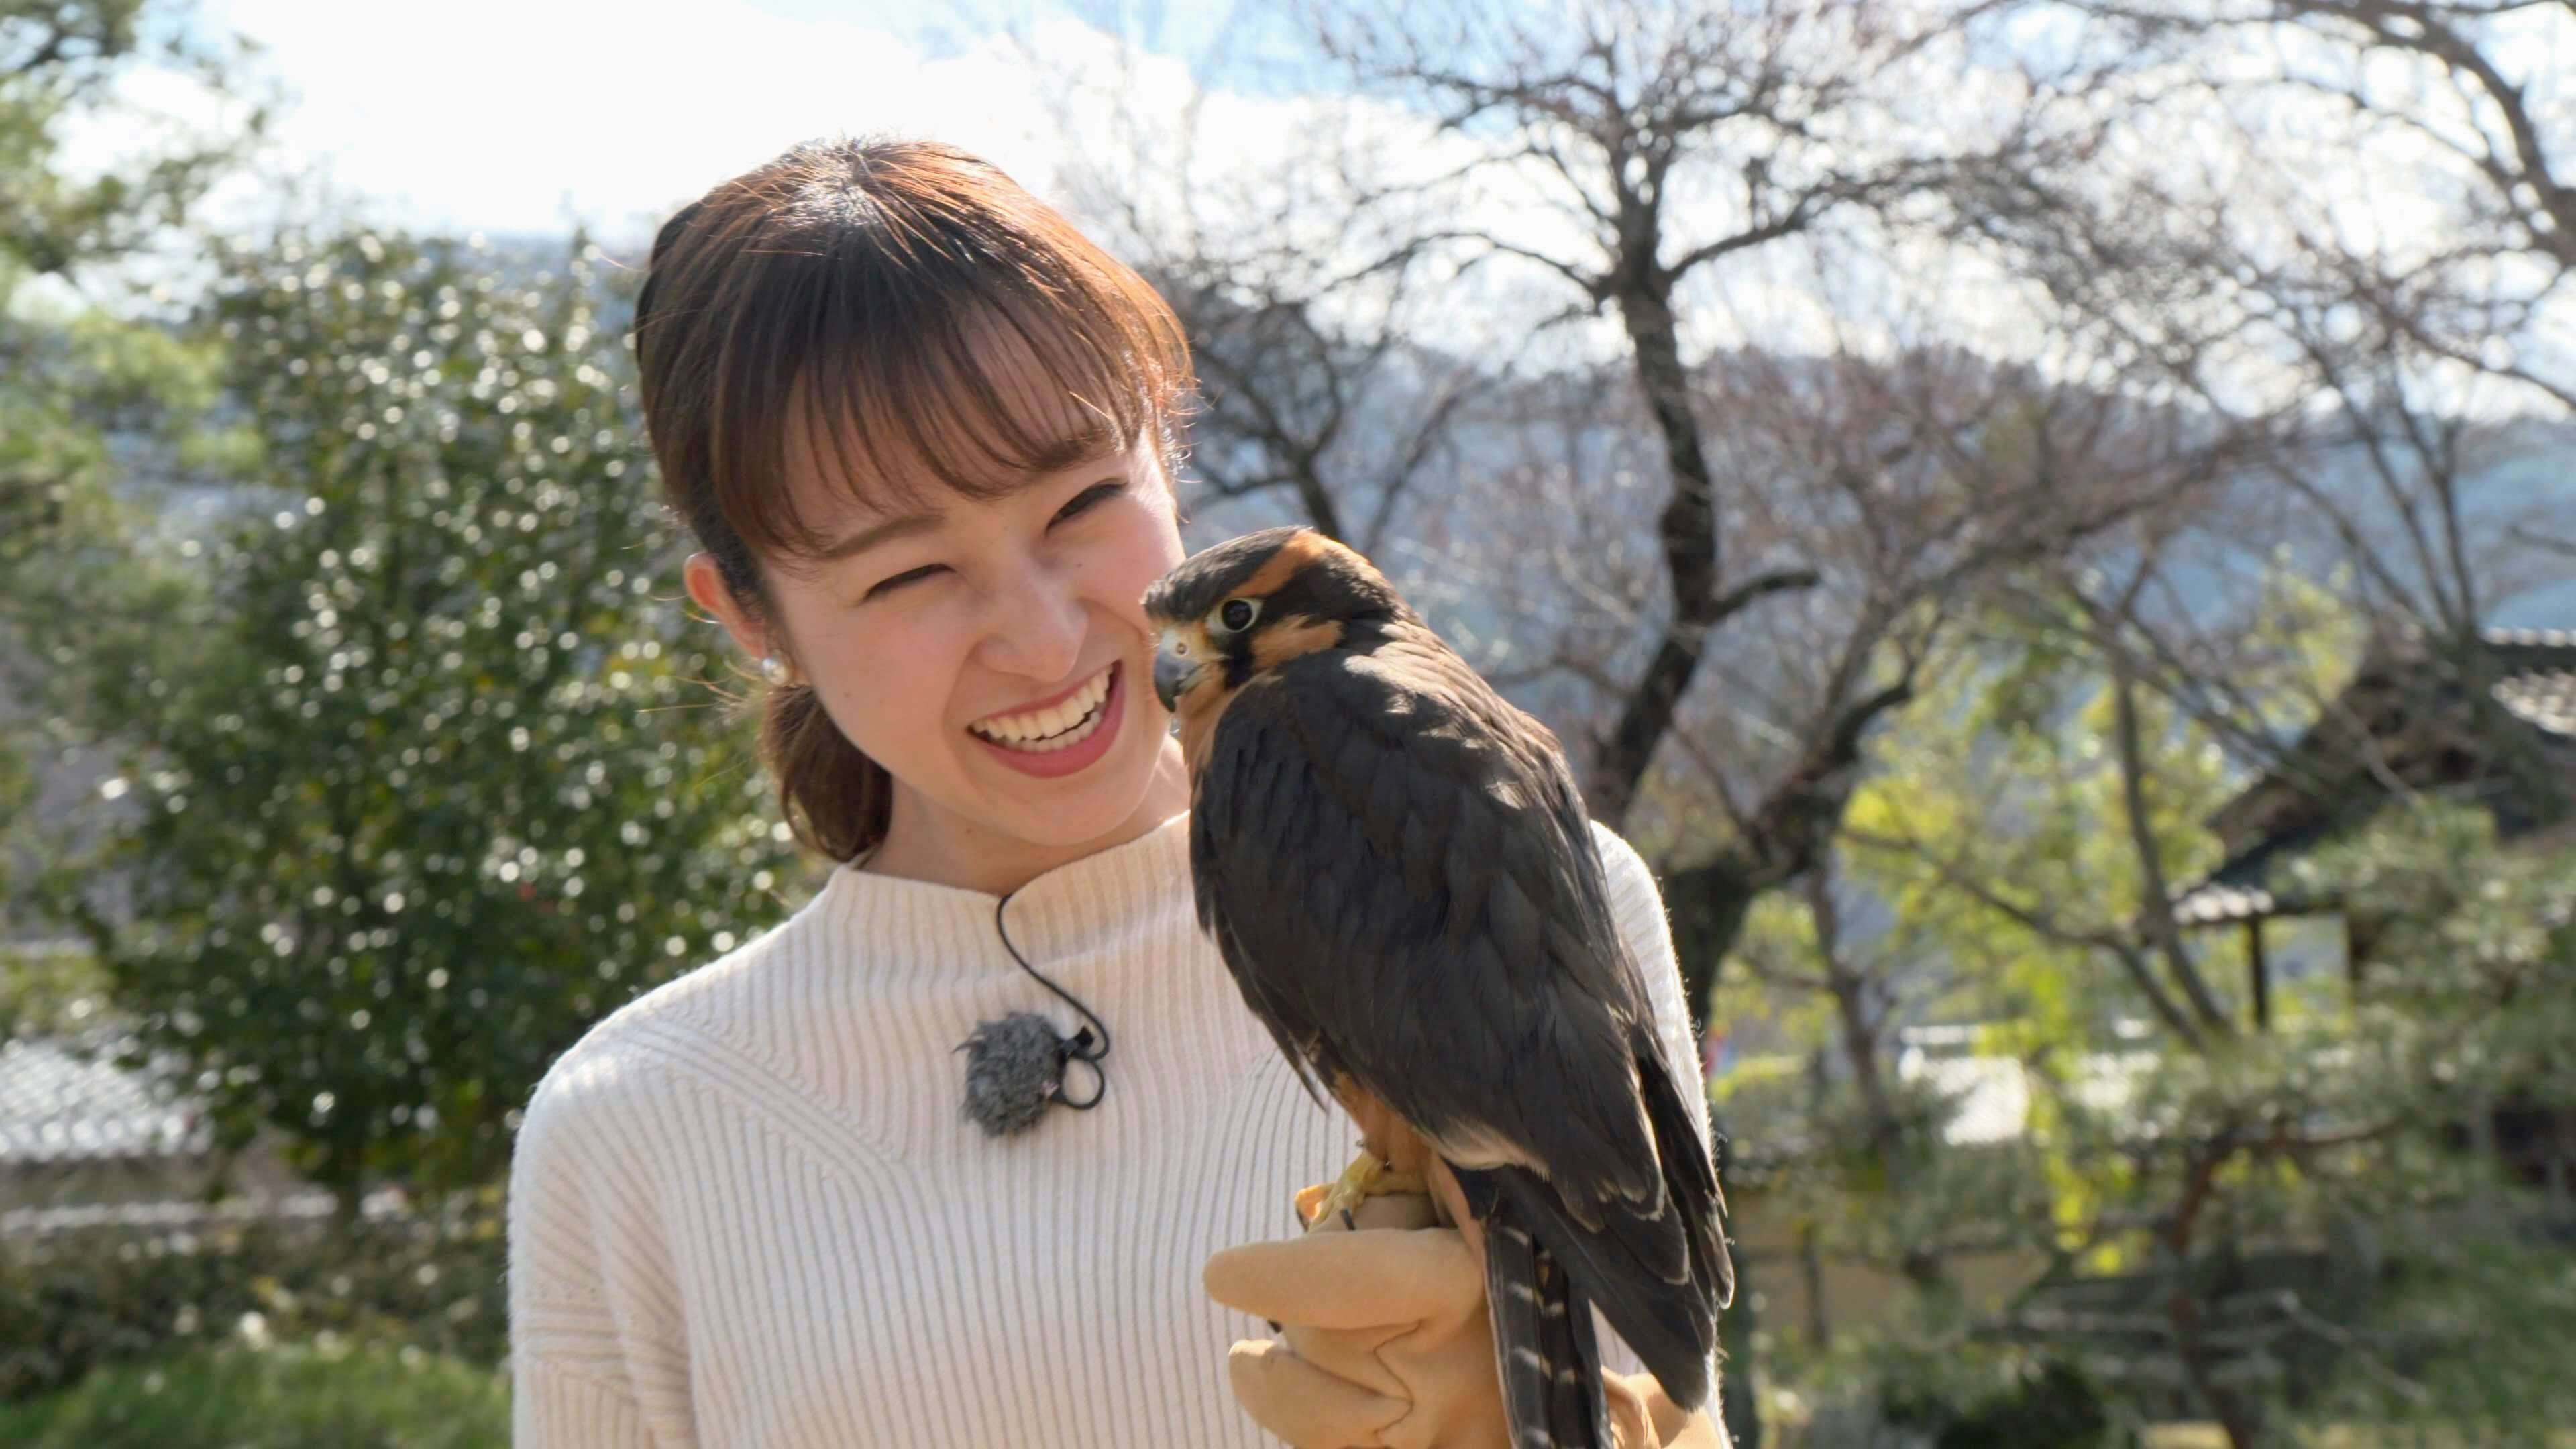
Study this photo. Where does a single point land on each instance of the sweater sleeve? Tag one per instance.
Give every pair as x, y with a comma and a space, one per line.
595, 1336
1638, 906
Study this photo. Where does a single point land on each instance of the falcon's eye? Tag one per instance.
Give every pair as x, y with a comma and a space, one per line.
1234, 616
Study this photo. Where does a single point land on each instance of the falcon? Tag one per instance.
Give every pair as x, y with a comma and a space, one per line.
1397, 868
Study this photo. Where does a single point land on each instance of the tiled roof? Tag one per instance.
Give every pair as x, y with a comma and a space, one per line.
2541, 687
2215, 901
2546, 698
196, 1215
2531, 638
62, 1105
2274, 818
2248, 888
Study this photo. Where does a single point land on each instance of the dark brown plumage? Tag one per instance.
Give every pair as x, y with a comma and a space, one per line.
1397, 868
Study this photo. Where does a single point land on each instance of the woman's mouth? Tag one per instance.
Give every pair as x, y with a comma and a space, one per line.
1041, 731
1061, 737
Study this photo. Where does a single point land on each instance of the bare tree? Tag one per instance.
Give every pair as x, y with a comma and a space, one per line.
1347, 420
2392, 381
1907, 483
2476, 92
1303, 289
2381, 270
1663, 141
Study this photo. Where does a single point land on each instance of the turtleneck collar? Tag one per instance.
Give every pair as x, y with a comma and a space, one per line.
1085, 905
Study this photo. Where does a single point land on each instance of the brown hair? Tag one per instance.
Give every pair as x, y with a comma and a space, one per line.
843, 287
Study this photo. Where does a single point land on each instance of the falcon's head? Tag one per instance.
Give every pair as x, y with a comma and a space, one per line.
1248, 605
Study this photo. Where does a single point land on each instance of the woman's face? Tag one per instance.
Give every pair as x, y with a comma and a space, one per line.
993, 656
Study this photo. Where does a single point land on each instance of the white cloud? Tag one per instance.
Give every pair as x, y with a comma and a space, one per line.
523, 117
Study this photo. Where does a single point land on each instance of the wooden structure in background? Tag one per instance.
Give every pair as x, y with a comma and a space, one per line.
2409, 723
2404, 723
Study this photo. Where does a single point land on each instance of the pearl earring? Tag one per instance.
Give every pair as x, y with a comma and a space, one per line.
772, 670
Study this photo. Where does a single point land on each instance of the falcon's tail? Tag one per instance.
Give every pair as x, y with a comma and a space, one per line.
1544, 1345
1659, 1271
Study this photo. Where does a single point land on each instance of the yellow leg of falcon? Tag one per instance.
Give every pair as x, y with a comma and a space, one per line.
1365, 1178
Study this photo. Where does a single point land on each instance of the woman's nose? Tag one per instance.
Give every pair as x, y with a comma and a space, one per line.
1036, 626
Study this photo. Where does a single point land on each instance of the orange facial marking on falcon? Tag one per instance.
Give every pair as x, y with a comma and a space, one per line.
1293, 639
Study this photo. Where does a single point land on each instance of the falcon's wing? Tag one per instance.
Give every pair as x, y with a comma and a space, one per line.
1397, 868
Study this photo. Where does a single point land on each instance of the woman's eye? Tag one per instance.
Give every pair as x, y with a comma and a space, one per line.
1083, 501
885, 586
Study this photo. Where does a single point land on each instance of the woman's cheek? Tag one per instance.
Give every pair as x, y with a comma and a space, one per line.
1157, 550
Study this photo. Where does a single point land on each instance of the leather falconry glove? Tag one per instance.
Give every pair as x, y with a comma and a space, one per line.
1384, 1338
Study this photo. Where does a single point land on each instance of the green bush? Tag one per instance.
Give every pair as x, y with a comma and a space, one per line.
2053, 1406
1873, 1392
420, 774
78, 1302
282, 1398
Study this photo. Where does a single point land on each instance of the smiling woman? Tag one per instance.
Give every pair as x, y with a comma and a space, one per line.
923, 432
935, 631
898, 380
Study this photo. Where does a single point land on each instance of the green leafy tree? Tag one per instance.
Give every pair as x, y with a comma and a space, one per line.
2254, 1226
99, 400
60, 61
426, 777
74, 372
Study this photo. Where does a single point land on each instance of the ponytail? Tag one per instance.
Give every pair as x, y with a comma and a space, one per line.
833, 797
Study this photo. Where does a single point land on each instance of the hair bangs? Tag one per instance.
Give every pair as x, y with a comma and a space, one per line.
975, 405
905, 367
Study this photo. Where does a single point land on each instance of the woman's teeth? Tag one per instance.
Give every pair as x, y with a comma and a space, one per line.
1043, 730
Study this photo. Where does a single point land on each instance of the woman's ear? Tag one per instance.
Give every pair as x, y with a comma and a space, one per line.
706, 584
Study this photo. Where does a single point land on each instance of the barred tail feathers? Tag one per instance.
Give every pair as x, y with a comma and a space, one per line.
1545, 1350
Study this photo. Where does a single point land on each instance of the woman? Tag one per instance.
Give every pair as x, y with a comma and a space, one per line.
924, 434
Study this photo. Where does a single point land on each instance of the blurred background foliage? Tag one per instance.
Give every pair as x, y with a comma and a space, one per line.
2119, 844
413, 739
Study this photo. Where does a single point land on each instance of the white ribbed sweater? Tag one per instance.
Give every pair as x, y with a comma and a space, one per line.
745, 1209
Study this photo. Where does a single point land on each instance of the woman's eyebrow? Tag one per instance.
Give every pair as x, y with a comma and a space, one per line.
1090, 445
886, 531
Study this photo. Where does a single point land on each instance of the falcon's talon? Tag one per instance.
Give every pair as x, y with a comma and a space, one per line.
1368, 1176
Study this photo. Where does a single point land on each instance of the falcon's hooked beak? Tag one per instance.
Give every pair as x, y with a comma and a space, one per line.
1175, 670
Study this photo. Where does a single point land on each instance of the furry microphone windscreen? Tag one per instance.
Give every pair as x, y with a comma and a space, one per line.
1013, 1067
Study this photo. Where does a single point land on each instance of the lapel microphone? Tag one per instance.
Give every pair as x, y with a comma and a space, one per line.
1016, 1064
